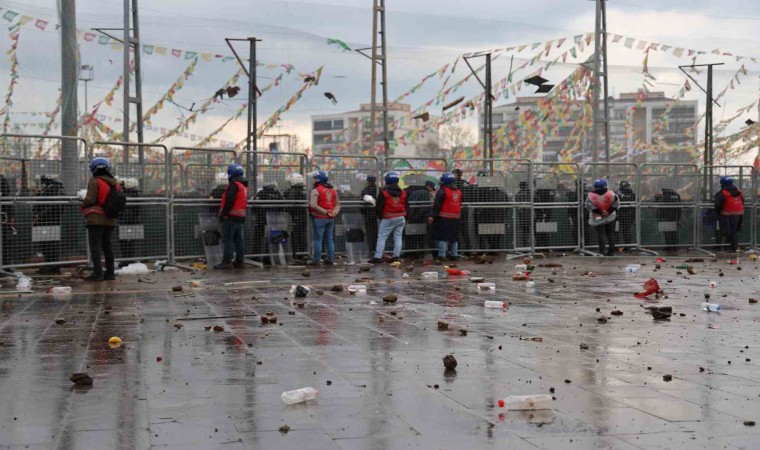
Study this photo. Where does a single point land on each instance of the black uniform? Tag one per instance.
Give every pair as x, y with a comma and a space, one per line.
131, 216
8, 218
298, 217
268, 192
668, 215
488, 215
627, 215
368, 213
49, 215
522, 215
420, 201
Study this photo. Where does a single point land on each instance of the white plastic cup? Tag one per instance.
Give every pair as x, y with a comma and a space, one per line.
429, 274
530, 285
299, 395
60, 290
494, 304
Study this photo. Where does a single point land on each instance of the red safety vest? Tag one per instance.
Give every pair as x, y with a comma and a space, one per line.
452, 204
240, 203
602, 202
394, 206
734, 206
326, 200
103, 189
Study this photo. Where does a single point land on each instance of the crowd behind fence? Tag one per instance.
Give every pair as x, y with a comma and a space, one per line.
512, 206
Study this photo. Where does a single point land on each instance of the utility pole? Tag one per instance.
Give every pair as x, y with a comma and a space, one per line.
707, 158
69, 116
378, 58
86, 74
251, 139
487, 108
601, 109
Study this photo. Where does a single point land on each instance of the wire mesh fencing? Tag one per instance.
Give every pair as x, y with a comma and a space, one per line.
556, 206
621, 178
708, 226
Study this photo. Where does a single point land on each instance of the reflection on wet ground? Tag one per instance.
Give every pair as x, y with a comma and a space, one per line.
176, 382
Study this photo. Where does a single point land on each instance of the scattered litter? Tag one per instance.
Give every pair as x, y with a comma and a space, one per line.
584, 346
357, 289
521, 267
264, 320
632, 268
449, 362
551, 265
711, 307
372, 302
520, 277
395, 264
207, 327
650, 287
526, 402
753, 257
617, 312
137, 268
495, 304
273, 319
284, 429
199, 266
732, 261
443, 325
81, 379
488, 287
159, 358
337, 288
390, 298
299, 395
405, 276
429, 274
177, 288
60, 321
299, 291
306, 273
713, 284
455, 271
24, 284
476, 279
218, 328
749, 423
752, 301
238, 283
667, 377
463, 332
59, 290
660, 260
114, 340
178, 326
660, 312
530, 285
695, 260
364, 267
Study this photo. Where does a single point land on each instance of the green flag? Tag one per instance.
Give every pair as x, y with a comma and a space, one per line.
339, 43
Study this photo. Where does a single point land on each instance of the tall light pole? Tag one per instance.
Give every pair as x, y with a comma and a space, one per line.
86, 74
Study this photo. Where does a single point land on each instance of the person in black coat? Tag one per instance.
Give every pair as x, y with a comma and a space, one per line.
8, 221
46, 215
627, 213
267, 192
673, 214
298, 213
368, 212
131, 216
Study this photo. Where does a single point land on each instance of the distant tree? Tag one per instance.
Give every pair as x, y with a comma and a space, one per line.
450, 139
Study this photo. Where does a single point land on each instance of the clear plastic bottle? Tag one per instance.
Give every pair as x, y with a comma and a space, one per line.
299, 395
526, 402
521, 267
60, 290
429, 274
494, 304
713, 307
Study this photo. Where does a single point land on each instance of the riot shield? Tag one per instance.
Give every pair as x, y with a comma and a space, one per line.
211, 237
277, 234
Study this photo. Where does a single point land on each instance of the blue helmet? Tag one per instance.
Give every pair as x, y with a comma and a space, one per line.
726, 181
99, 163
447, 178
321, 176
391, 178
235, 170
600, 184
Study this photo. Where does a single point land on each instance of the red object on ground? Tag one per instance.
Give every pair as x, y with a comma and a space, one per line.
659, 260
454, 271
651, 286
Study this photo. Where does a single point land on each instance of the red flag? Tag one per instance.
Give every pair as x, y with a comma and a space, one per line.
41, 24
176, 52
89, 37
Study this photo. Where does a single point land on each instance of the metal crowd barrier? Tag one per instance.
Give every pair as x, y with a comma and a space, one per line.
512, 206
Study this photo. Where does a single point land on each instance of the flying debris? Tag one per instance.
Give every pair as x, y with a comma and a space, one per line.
233, 91
309, 79
331, 97
219, 94
470, 104
453, 104
536, 80
424, 116
749, 122
544, 88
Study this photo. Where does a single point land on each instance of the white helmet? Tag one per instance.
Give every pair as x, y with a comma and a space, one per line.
130, 183
294, 179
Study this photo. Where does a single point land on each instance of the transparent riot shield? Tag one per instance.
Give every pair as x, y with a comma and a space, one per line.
211, 236
356, 237
277, 234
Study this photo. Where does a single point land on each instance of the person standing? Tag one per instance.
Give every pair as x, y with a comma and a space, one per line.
50, 215
324, 206
603, 204
368, 210
627, 215
99, 225
297, 193
232, 212
420, 200
729, 206
669, 217
391, 209
447, 208
523, 217
132, 217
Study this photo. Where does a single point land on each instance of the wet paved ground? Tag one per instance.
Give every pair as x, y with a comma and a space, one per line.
379, 367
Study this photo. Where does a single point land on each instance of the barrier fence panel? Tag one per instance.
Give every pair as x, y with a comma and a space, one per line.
709, 233
556, 206
39, 211
195, 197
496, 205
668, 198
621, 178
143, 171
348, 174
279, 205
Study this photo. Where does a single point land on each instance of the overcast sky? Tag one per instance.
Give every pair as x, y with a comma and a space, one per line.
422, 36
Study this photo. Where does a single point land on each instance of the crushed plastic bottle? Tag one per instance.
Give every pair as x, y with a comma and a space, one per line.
429, 274
632, 268
530, 285
712, 307
357, 289
521, 267
24, 284
682, 266
495, 304
487, 287
59, 290
733, 261
713, 284
526, 402
299, 395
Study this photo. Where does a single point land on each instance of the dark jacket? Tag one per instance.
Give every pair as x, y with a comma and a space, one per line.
91, 199
49, 214
232, 191
420, 201
720, 200
296, 192
395, 191
370, 190
668, 214
132, 214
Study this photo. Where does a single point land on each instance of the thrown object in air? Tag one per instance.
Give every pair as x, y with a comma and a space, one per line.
453, 103
424, 116
331, 97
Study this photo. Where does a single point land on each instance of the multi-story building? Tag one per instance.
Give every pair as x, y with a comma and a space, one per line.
646, 129
349, 132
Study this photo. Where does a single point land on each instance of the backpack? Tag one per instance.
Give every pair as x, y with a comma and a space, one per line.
116, 202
